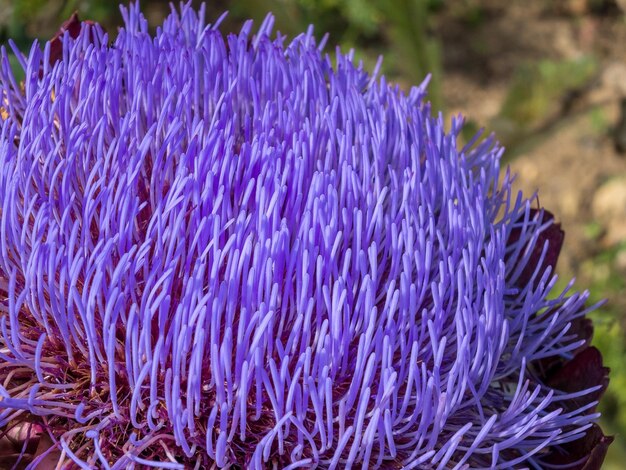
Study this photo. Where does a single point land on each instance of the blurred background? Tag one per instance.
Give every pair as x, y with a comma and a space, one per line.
547, 76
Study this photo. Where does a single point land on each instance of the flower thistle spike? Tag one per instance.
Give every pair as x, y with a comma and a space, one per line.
228, 252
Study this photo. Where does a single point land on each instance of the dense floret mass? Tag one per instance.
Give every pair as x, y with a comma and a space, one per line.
241, 251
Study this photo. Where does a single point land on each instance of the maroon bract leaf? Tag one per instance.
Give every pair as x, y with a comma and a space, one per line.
584, 371
554, 235
598, 453
19, 444
593, 445
72, 26
582, 327
548, 367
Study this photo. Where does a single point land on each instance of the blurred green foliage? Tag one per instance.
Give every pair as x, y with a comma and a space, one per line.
606, 281
539, 96
539, 88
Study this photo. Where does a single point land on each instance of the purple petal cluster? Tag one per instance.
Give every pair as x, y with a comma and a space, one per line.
241, 251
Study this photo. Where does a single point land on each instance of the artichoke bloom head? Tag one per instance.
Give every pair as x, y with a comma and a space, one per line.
234, 251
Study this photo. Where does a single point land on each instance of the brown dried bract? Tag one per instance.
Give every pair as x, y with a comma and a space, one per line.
73, 26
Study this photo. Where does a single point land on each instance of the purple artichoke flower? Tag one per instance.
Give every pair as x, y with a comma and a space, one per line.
225, 252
